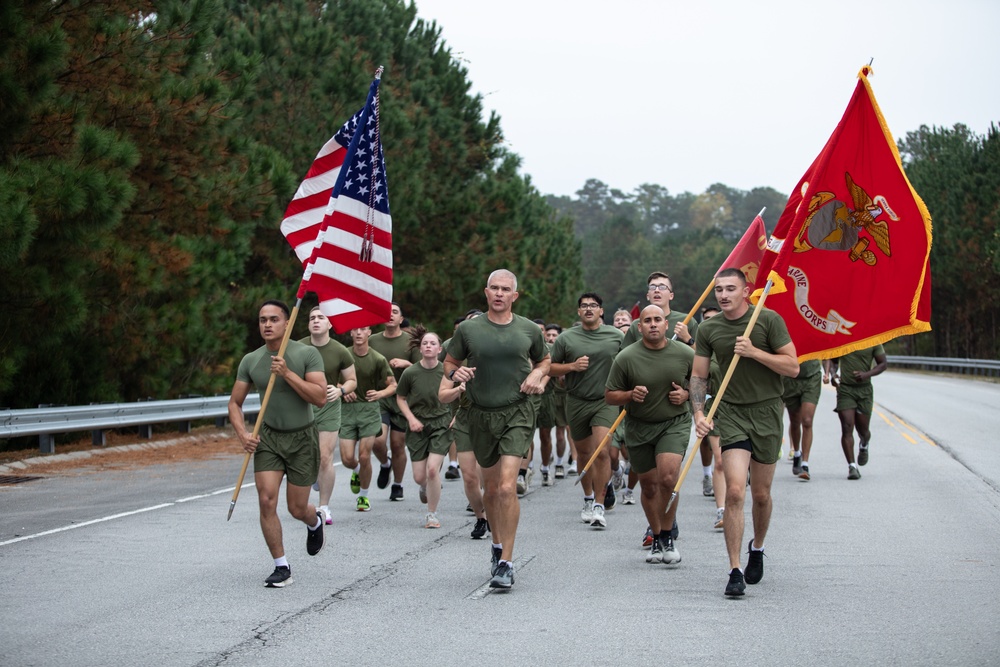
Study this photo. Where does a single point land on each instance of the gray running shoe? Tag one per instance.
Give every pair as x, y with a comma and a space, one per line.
853, 472
863, 454
655, 554
560, 471
599, 521
706, 486
504, 577
670, 554
797, 464
587, 513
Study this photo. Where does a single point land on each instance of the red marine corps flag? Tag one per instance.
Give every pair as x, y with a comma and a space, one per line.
339, 225
850, 255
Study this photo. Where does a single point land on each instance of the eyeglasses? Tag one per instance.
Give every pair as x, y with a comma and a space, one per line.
660, 288
589, 306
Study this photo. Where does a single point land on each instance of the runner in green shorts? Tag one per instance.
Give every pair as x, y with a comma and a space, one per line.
801, 395
338, 365
855, 401
750, 438
360, 413
650, 380
507, 362
584, 355
559, 394
428, 437
287, 443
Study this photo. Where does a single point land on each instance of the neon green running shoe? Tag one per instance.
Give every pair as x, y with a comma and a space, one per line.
355, 483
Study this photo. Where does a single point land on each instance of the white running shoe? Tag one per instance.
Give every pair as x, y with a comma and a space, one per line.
628, 498
522, 485
670, 553
618, 479
587, 514
599, 521
718, 516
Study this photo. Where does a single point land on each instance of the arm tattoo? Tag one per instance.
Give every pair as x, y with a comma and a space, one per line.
698, 388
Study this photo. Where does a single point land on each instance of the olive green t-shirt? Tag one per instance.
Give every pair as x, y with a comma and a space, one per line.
673, 318
335, 356
752, 381
286, 410
419, 386
859, 360
600, 345
656, 370
372, 369
394, 348
502, 354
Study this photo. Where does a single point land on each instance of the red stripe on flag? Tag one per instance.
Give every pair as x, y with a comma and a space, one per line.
327, 162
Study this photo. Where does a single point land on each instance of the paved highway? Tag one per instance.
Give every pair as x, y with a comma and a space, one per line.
140, 567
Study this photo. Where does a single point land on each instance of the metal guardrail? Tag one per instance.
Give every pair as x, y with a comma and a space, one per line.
45, 422
981, 367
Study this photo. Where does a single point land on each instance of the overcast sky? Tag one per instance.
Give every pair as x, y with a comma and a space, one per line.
688, 94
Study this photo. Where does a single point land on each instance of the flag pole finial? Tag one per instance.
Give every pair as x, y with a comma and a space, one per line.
378, 72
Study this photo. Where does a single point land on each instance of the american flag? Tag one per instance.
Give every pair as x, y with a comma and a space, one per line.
339, 224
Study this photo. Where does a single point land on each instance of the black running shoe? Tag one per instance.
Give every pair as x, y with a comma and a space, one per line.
609, 498
494, 559
383, 476
315, 538
675, 531
281, 577
797, 464
863, 454
755, 565
452, 473
504, 576
736, 587
397, 492
482, 527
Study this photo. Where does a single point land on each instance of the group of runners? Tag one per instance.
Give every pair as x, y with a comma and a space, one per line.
477, 399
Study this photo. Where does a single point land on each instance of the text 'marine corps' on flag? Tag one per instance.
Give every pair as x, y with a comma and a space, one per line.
348, 263
850, 255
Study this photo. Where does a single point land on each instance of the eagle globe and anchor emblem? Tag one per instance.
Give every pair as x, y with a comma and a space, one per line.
832, 225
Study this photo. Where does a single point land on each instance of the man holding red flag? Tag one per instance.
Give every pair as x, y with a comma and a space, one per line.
748, 413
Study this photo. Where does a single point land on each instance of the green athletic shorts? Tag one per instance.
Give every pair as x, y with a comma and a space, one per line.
506, 431
327, 418
859, 397
708, 408
546, 416
435, 438
760, 423
801, 390
646, 440
296, 453
360, 420
585, 415
562, 419
618, 437
460, 430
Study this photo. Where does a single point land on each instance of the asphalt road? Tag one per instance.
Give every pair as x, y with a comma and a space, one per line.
140, 566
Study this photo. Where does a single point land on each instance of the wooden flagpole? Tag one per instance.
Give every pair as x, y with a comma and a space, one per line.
263, 407
605, 441
718, 397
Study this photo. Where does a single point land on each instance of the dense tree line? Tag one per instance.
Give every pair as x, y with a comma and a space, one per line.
147, 153
625, 236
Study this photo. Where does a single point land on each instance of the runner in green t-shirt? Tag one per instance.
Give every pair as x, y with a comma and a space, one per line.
360, 415
507, 362
748, 413
338, 365
287, 444
584, 355
428, 435
661, 293
650, 380
855, 401
801, 395
394, 344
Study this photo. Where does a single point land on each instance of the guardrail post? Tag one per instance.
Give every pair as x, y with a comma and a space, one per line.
47, 443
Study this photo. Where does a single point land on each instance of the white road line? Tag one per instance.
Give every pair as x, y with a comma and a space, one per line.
125, 514
86, 523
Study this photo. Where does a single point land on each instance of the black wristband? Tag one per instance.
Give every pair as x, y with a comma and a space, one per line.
451, 375
691, 342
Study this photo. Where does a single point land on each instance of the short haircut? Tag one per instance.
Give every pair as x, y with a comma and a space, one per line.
552, 326
502, 272
590, 295
279, 304
539, 320
730, 272
660, 274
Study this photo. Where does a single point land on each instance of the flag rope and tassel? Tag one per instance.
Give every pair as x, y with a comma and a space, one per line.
718, 397
263, 406
604, 442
